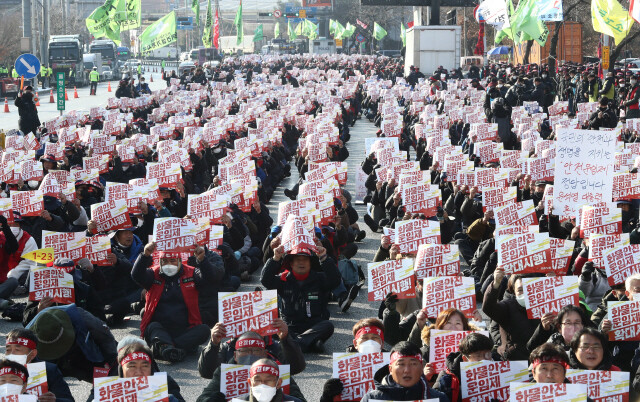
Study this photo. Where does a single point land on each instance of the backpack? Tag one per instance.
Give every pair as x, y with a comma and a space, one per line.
349, 272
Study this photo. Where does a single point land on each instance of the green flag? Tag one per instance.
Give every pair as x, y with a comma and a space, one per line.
339, 31
403, 35
507, 32
195, 6
238, 22
378, 31
207, 39
102, 21
159, 34
332, 27
128, 14
276, 30
300, 29
348, 30
257, 34
291, 32
526, 25
310, 30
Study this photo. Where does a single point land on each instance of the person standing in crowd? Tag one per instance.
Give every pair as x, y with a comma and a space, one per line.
29, 120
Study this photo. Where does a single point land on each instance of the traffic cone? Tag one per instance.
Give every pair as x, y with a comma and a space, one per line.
66, 96
151, 79
109, 87
37, 101
6, 106
75, 93
51, 100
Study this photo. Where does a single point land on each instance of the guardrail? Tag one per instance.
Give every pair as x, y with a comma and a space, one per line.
158, 63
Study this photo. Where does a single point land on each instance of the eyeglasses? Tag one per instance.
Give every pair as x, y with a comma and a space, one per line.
595, 348
572, 324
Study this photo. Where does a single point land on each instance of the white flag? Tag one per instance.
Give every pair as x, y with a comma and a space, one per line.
550, 10
495, 13
634, 10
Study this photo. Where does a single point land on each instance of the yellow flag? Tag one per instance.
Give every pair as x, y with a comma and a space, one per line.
609, 18
41, 256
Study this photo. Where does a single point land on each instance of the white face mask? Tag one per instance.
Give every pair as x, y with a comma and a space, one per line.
621, 85
520, 300
10, 389
544, 75
33, 183
263, 392
369, 346
20, 359
15, 230
634, 296
170, 270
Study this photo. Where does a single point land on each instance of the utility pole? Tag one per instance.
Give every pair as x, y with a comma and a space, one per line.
25, 45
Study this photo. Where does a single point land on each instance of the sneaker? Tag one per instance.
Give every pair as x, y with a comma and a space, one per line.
373, 225
361, 235
20, 291
290, 194
4, 304
172, 354
353, 293
317, 347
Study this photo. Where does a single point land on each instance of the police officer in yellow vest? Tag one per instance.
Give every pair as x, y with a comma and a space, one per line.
14, 74
43, 76
608, 87
94, 77
4, 72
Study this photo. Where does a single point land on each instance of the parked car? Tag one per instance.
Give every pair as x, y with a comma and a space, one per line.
131, 67
185, 65
107, 74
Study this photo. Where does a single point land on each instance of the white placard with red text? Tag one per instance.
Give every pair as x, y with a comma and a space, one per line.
357, 371
549, 294
248, 311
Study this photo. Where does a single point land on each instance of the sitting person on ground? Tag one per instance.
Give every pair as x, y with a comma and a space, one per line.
549, 364
590, 351
13, 378
265, 383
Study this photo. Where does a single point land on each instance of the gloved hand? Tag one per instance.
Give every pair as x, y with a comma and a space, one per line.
390, 301
3, 222
332, 388
587, 269
237, 254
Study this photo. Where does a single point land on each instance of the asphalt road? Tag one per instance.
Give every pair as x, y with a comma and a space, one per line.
319, 367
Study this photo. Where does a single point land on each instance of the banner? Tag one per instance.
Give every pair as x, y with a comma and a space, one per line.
624, 319
51, 282
621, 262
112, 215
209, 204
550, 294
65, 244
488, 380
524, 253
97, 249
442, 342
357, 371
515, 213
599, 244
174, 235
410, 234
421, 199
391, 277
143, 389
167, 174
602, 217
234, 380
437, 260
441, 293
28, 203
295, 235
584, 169
561, 253
602, 386
248, 311
159, 34
527, 391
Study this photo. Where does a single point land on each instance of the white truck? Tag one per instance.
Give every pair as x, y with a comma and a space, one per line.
322, 46
164, 53
229, 44
91, 60
431, 46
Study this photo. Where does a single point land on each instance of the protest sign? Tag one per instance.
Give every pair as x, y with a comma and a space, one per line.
584, 169
441, 293
97, 249
437, 260
549, 294
356, 371
599, 244
515, 213
626, 186
144, 388
488, 380
561, 253
167, 174
216, 233
234, 380
442, 342
112, 215
391, 277
174, 235
547, 392
210, 205
248, 311
410, 234
421, 199
6, 209
65, 244
602, 386
37, 383
493, 198
303, 208
31, 170
295, 236
602, 217
524, 253
19, 398
28, 203
621, 262
410, 178
51, 282
624, 319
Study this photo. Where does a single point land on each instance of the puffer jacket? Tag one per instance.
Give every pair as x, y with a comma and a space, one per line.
389, 390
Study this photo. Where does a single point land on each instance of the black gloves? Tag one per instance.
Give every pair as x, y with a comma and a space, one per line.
11, 243
390, 301
587, 269
333, 387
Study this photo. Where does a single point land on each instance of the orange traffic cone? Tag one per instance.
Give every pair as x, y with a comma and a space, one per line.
66, 96
6, 106
37, 101
75, 93
109, 87
51, 100
151, 79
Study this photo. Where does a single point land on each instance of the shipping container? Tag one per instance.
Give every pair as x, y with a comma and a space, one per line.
569, 45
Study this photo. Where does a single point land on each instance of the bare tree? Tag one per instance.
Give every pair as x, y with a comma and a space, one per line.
10, 33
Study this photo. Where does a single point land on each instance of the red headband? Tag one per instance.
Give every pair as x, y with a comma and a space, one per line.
370, 330
135, 356
248, 343
169, 254
13, 371
264, 368
22, 342
549, 359
397, 355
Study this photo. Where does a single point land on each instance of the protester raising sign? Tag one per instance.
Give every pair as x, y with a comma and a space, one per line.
65, 244
516, 214
624, 319
421, 199
442, 342
602, 218
488, 380
209, 204
441, 293
248, 311
357, 371
561, 252
391, 277
437, 260
410, 234
112, 215
97, 249
234, 380
527, 391
28, 203
295, 236
115, 389
51, 282
174, 235
602, 386
550, 294
524, 253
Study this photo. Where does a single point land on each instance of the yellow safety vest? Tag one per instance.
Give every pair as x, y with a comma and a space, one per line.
94, 76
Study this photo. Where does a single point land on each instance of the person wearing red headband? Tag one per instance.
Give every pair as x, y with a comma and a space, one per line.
13, 378
549, 364
21, 347
406, 381
265, 383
